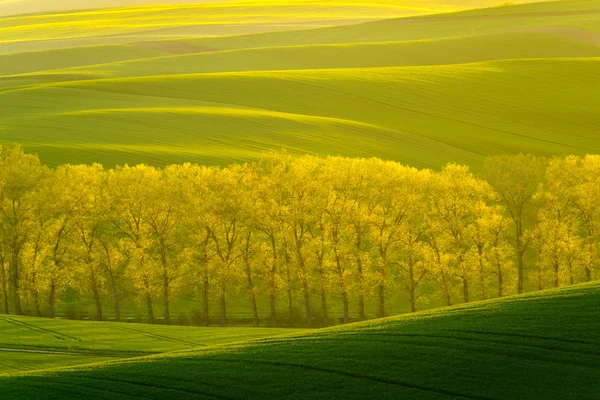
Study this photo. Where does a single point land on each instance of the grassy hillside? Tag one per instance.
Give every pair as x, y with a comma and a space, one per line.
537, 346
160, 21
422, 90
423, 116
34, 343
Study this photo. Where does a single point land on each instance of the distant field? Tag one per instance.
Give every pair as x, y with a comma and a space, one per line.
423, 90
422, 116
36, 343
538, 346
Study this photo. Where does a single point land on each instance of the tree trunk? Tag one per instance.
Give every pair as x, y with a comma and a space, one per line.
205, 301
252, 296
98, 304
556, 269
500, 280
249, 280
307, 302
116, 299
166, 295
36, 303
166, 281
324, 305
465, 289
272, 283
289, 288
52, 300
381, 310
482, 282
150, 309
4, 283
223, 310
519, 244
340, 271
571, 280
361, 277
412, 289
15, 281
447, 292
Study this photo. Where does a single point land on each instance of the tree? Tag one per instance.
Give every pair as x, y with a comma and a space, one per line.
128, 187
515, 179
226, 210
198, 222
91, 206
454, 204
20, 175
585, 195
301, 186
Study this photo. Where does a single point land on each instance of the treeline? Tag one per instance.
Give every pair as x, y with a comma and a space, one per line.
291, 229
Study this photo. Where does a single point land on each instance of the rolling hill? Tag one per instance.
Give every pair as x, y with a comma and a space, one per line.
423, 90
543, 345
28, 344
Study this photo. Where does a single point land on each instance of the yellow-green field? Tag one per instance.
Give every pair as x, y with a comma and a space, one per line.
537, 346
28, 344
164, 84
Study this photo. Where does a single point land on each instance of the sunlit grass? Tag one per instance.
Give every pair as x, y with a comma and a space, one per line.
536, 346
43, 343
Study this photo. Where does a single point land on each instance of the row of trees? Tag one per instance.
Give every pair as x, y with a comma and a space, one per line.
293, 229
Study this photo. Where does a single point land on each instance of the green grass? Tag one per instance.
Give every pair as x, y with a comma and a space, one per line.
512, 45
422, 116
423, 91
43, 343
571, 13
537, 346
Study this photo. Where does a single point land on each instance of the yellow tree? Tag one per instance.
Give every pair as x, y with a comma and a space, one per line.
454, 201
269, 220
161, 225
412, 247
20, 175
250, 247
558, 217
89, 192
128, 187
363, 195
198, 222
515, 179
339, 210
226, 210
35, 256
585, 199
301, 186
489, 252
397, 194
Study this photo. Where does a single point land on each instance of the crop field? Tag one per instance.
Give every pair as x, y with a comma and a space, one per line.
424, 83
33, 343
272, 165
535, 346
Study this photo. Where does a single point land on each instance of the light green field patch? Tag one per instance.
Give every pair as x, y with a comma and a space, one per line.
32, 343
462, 112
551, 337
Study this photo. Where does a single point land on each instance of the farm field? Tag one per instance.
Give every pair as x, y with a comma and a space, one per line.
35, 343
449, 86
550, 337
264, 199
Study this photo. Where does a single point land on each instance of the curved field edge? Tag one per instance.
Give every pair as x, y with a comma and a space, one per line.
480, 350
455, 50
30, 343
502, 107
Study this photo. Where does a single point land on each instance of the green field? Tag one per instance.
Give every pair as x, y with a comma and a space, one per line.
28, 344
537, 346
166, 84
